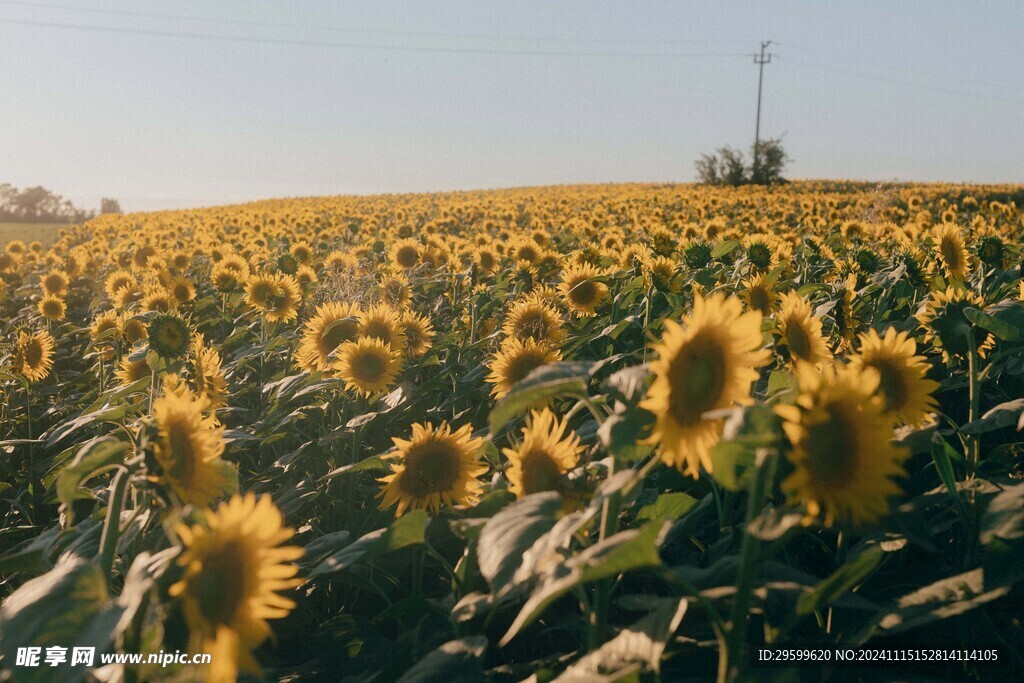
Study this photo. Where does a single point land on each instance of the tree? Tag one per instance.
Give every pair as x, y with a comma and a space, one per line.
37, 205
108, 205
728, 166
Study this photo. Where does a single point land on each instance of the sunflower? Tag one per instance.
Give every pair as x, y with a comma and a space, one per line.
181, 290
207, 375
663, 274
332, 325
759, 294
133, 329
515, 360
52, 307
800, 330
436, 468
906, 393
950, 251
234, 567
367, 365
169, 335
546, 453
842, 452
117, 281
104, 331
419, 334
157, 299
131, 371
275, 295
947, 327
991, 251
705, 364
226, 279
125, 297
33, 356
383, 322
188, 446
531, 318
582, 291
759, 253
55, 282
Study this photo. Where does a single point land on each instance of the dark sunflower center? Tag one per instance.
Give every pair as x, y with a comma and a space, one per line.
220, 587
797, 340
759, 255
583, 293
338, 333
831, 447
369, 367
180, 447
951, 254
540, 472
432, 467
759, 299
407, 256
696, 379
379, 330
895, 391
522, 365
34, 353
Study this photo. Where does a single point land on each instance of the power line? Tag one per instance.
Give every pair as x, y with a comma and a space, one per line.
759, 59
341, 29
361, 46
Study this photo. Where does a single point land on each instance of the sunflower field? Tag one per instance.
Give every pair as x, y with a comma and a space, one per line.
591, 433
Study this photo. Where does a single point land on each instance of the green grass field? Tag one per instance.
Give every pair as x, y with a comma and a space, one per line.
44, 232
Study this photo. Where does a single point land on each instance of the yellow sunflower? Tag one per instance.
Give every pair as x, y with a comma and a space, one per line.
131, 371
759, 294
844, 459
33, 356
158, 299
189, 445
906, 392
234, 568
383, 322
367, 365
950, 251
55, 282
133, 329
52, 307
435, 468
405, 253
275, 295
419, 334
118, 280
947, 327
581, 289
515, 360
707, 363
207, 375
531, 318
332, 325
800, 330
546, 452
181, 290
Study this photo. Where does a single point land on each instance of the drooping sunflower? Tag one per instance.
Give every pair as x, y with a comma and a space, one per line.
169, 335
531, 318
419, 334
52, 307
234, 568
332, 325
207, 373
950, 251
383, 322
906, 392
547, 451
367, 365
515, 360
435, 468
844, 459
707, 363
189, 445
33, 356
947, 327
800, 330
582, 290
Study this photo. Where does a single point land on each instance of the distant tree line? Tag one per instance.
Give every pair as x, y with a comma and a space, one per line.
39, 205
729, 166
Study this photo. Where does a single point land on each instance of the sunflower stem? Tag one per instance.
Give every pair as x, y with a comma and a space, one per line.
730, 659
974, 387
112, 524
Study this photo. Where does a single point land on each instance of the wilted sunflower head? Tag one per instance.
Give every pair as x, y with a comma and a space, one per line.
842, 452
435, 468
33, 355
547, 451
234, 568
332, 325
582, 290
52, 307
707, 363
169, 335
395, 291
367, 365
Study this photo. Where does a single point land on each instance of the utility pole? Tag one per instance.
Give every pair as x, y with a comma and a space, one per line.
760, 60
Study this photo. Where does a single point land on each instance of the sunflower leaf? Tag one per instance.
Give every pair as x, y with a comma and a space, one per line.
95, 457
840, 581
546, 382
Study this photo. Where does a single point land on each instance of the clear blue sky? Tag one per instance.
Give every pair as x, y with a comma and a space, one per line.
876, 90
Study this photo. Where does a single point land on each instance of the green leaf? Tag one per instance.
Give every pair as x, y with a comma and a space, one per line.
405, 531
546, 382
625, 551
67, 607
31, 555
457, 661
109, 414
1004, 516
374, 463
622, 432
1004, 320
724, 248
97, 456
943, 456
667, 507
1003, 415
840, 581
513, 531
641, 644
774, 523
938, 601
